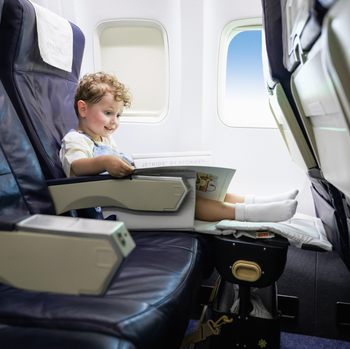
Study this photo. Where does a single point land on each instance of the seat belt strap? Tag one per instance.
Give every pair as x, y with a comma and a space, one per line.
204, 331
208, 328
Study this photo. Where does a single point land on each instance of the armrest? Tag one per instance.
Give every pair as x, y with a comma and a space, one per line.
137, 192
62, 254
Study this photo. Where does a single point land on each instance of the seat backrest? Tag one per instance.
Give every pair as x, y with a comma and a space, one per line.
318, 101
301, 26
41, 94
23, 189
336, 27
309, 37
306, 83
291, 132
277, 79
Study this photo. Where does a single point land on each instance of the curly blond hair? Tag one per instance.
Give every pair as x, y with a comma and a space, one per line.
92, 88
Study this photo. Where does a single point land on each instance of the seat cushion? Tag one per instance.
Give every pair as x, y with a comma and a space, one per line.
148, 304
13, 337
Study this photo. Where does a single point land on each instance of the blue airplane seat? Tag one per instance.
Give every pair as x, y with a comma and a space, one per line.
147, 306
23, 190
279, 70
148, 303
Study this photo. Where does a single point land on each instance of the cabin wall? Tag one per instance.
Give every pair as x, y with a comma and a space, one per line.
193, 27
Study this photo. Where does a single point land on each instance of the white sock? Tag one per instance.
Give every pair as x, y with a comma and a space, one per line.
270, 212
254, 199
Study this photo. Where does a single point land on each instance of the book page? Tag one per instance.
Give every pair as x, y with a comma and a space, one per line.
189, 158
211, 182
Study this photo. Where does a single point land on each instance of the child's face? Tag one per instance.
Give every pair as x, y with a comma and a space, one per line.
100, 119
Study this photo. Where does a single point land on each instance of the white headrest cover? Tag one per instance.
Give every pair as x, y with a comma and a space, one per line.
55, 37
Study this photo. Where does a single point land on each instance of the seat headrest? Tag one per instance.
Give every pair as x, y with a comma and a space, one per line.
19, 40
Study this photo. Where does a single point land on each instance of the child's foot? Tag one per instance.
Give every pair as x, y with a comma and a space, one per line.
254, 199
270, 212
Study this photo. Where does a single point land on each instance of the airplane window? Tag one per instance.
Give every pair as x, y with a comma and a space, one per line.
136, 53
244, 99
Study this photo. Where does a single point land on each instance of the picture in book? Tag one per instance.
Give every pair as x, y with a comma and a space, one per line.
212, 182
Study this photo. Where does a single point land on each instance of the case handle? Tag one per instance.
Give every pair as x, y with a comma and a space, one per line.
246, 271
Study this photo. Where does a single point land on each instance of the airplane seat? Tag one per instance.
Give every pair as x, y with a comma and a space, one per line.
337, 63
146, 303
313, 40
312, 87
336, 56
23, 190
282, 61
331, 205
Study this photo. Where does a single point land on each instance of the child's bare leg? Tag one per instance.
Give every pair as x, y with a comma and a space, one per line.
211, 210
234, 198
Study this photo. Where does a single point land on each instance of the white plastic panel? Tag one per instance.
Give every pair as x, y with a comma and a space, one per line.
41, 254
323, 118
290, 130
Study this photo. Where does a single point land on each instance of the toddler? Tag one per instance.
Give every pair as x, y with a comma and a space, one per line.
90, 150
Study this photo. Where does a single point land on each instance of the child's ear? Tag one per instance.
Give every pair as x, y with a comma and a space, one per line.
82, 108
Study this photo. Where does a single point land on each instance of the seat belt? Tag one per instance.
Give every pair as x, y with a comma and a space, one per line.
206, 328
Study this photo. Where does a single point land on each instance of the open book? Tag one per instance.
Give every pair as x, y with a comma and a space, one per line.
211, 182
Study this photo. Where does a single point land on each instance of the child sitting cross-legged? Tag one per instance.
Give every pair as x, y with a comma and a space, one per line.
90, 150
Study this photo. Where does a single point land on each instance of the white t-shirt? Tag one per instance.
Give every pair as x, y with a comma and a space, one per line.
77, 146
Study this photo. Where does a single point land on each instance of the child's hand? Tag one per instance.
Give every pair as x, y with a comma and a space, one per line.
117, 166
114, 165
